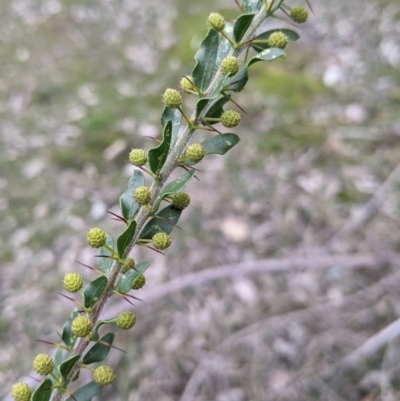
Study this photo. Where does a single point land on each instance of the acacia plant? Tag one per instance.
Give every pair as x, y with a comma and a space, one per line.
220, 71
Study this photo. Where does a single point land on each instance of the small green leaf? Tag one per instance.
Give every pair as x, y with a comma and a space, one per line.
224, 47
128, 206
174, 187
205, 60
220, 144
85, 393
258, 47
252, 6
94, 290
67, 336
105, 264
67, 365
276, 5
238, 81
99, 352
125, 238
126, 281
156, 225
57, 361
267, 55
43, 392
175, 116
216, 110
241, 25
158, 155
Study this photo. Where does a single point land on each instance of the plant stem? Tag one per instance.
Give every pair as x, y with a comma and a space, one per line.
156, 188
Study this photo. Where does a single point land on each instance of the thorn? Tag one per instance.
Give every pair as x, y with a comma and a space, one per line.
70, 299
309, 5
131, 296
168, 221
111, 346
82, 264
118, 217
240, 7
154, 249
152, 137
47, 342
34, 378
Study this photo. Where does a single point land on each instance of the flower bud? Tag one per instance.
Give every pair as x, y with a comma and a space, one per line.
81, 326
161, 241
103, 375
142, 195
186, 84
229, 66
139, 282
43, 364
96, 237
172, 98
138, 157
126, 320
181, 200
278, 39
128, 264
21, 392
230, 118
72, 282
299, 14
194, 153
217, 21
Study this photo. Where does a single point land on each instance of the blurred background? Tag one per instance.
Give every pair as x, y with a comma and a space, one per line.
284, 282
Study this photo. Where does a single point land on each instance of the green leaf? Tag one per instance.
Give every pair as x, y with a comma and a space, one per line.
125, 238
224, 47
99, 352
241, 25
276, 5
57, 361
85, 393
105, 264
66, 335
252, 6
94, 290
128, 206
216, 109
220, 144
67, 365
43, 392
126, 281
258, 47
174, 187
267, 55
156, 225
175, 116
238, 81
158, 155
205, 60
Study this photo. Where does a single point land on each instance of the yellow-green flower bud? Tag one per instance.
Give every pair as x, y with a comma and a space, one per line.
72, 282
229, 66
186, 84
126, 320
230, 118
139, 282
96, 237
142, 195
172, 98
43, 364
194, 153
128, 264
181, 200
138, 157
278, 39
81, 326
103, 375
299, 14
21, 392
161, 241
217, 21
